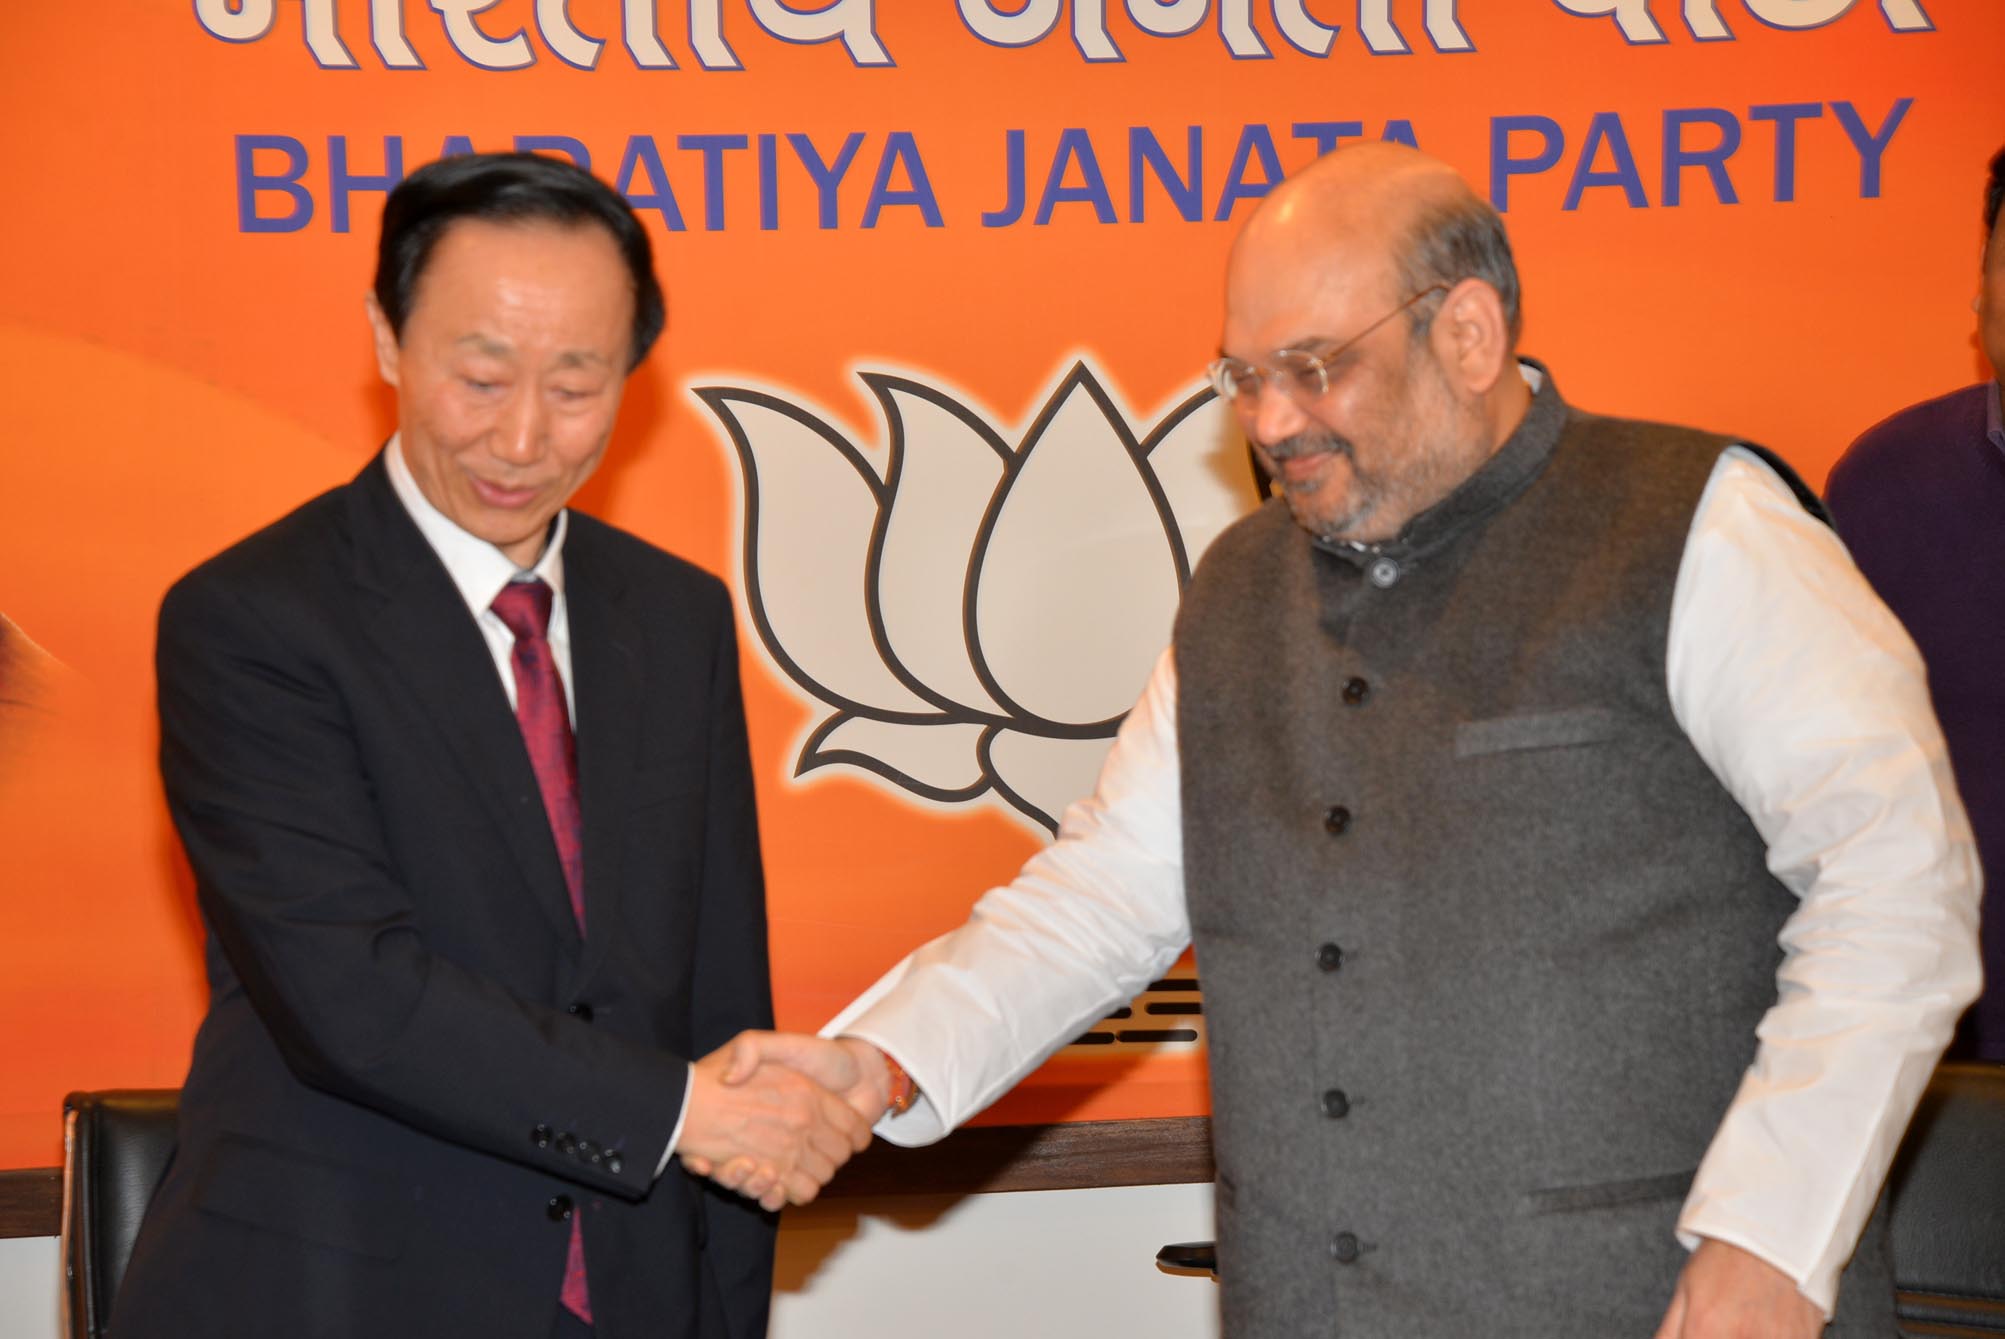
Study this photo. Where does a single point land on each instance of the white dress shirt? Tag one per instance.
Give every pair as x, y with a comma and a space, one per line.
1807, 700
479, 571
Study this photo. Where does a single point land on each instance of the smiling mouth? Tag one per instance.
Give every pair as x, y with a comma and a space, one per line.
498, 495
1298, 462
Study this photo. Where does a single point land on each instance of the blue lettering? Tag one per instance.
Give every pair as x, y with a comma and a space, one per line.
713, 148
341, 183
1075, 146
1254, 141
1714, 160
1606, 127
564, 144
1186, 193
251, 182
1327, 134
641, 152
1400, 132
1504, 164
769, 183
900, 149
1871, 146
1013, 183
826, 178
1786, 115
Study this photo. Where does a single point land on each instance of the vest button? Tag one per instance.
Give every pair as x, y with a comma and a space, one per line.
1336, 820
1383, 572
559, 1209
1329, 957
1344, 1248
1356, 691
1335, 1104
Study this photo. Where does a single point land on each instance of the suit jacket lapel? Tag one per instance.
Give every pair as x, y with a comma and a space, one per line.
422, 627
607, 684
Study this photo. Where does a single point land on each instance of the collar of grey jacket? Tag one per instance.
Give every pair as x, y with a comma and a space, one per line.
1505, 475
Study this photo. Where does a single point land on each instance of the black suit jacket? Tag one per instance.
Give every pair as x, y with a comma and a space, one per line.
412, 1063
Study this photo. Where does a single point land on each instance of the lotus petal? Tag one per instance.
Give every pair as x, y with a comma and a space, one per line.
945, 466
1075, 581
1199, 458
1041, 775
940, 761
811, 500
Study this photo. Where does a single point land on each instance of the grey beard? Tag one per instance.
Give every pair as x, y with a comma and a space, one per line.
1311, 443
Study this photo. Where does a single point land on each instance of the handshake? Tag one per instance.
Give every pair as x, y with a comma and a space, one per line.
772, 1115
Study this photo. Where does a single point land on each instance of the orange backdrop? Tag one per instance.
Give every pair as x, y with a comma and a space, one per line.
182, 265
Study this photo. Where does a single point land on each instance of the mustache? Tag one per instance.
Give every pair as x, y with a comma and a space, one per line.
1310, 444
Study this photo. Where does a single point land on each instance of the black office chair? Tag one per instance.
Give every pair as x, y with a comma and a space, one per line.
116, 1145
1948, 1211
1948, 1188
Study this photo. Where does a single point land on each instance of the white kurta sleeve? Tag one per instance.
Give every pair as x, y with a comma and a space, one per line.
1091, 920
1809, 702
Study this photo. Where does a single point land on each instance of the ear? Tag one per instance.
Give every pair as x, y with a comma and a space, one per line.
386, 340
1471, 336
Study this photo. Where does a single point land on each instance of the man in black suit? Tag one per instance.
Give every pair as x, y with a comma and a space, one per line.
462, 955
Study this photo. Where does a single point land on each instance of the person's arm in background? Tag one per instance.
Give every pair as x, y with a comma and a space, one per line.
1808, 701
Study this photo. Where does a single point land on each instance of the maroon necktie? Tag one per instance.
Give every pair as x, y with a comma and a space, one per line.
553, 752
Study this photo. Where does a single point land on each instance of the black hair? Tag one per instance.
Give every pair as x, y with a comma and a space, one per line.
508, 188
1456, 239
1994, 192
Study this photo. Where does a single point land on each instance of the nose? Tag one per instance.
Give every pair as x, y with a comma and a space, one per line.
519, 431
1274, 417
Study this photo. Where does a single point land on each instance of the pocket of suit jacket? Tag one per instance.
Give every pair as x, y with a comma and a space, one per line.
1610, 1194
1570, 728
298, 1195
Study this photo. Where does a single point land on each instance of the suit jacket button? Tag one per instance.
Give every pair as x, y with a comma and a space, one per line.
1344, 1248
1336, 820
566, 1144
1329, 957
559, 1209
1356, 691
581, 1011
614, 1162
1336, 1104
589, 1151
540, 1136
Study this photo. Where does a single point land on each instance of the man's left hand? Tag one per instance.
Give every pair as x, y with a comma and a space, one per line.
1728, 1293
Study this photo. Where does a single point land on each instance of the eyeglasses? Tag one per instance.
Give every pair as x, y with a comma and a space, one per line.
1300, 374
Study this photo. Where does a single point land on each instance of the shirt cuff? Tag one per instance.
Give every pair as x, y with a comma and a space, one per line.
922, 1122
675, 1135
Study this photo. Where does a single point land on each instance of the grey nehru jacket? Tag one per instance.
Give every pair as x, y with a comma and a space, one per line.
1484, 942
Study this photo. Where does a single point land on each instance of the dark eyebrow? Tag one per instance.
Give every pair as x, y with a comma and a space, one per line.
494, 348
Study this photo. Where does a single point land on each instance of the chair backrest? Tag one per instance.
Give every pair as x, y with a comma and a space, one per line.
116, 1146
1948, 1211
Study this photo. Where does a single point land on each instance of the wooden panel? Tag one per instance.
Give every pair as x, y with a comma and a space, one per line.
1077, 1156
31, 1202
1165, 1151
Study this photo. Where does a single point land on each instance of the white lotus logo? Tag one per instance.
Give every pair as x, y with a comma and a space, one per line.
975, 616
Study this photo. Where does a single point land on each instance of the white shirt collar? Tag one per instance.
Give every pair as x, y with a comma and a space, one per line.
477, 568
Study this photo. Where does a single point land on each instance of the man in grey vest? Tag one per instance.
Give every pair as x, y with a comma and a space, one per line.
1577, 880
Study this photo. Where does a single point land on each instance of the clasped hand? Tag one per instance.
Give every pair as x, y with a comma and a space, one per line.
773, 1115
